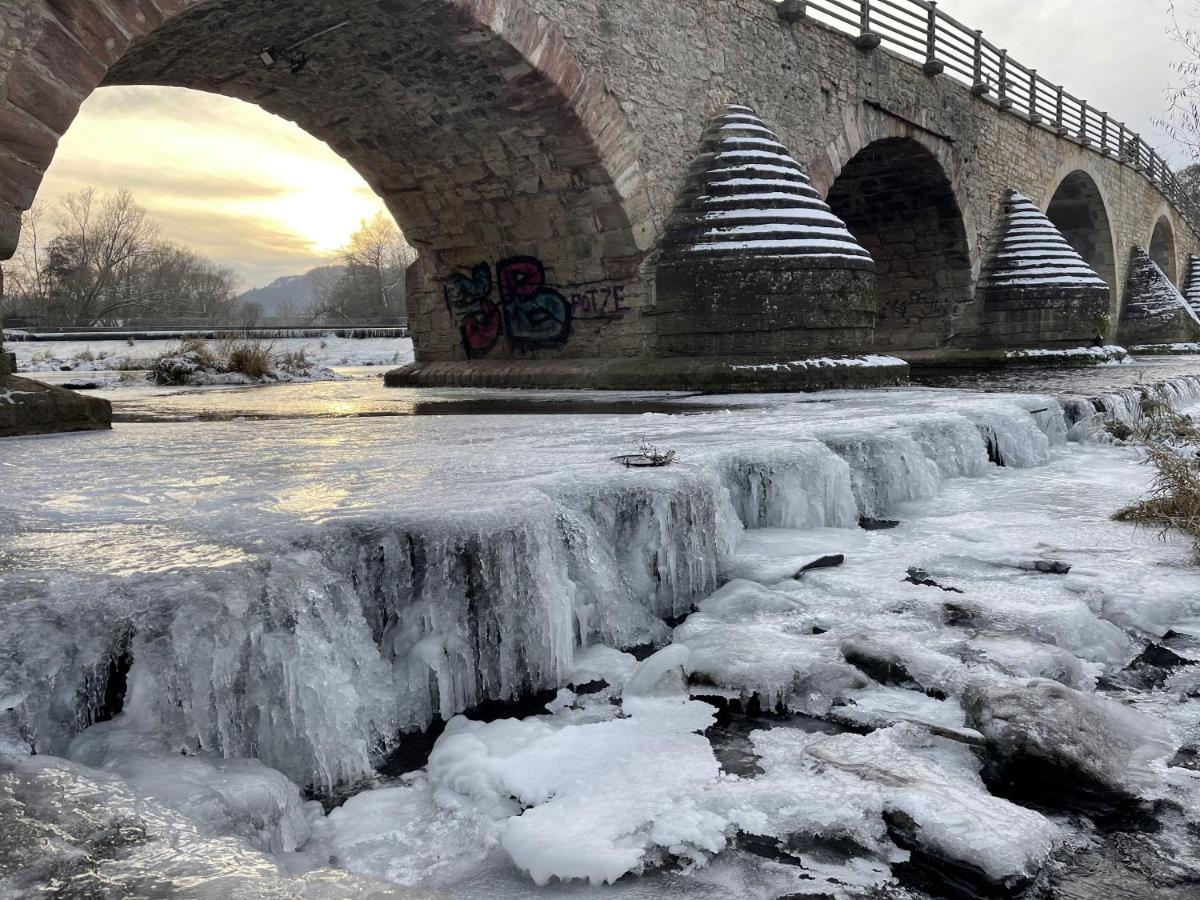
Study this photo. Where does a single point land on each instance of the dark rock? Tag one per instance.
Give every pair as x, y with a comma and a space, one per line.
921, 578
1159, 657
591, 687
825, 562
869, 524
30, 407
879, 665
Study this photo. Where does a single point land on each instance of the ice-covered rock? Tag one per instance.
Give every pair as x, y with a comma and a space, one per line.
66, 824
601, 663
663, 673
1040, 728
222, 797
851, 787
592, 801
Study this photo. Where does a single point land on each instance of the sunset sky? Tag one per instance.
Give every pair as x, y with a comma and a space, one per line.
259, 195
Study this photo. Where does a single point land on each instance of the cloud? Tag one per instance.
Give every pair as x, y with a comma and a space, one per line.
225, 178
1116, 54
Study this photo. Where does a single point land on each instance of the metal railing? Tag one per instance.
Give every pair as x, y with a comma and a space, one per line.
920, 31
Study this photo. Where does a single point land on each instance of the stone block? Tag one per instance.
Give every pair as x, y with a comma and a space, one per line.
30, 407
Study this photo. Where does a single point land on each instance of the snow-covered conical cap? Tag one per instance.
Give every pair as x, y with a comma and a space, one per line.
1033, 253
1151, 295
747, 196
1191, 287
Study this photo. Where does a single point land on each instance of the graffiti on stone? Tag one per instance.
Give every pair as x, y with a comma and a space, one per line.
603, 302
478, 317
535, 315
530, 313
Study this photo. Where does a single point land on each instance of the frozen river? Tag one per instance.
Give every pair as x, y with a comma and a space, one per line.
225, 624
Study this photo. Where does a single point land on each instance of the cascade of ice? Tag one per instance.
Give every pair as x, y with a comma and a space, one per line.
797, 485
1129, 405
318, 653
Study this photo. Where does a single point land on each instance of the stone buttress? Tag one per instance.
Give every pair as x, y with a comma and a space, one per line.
754, 264
1154, 311
1191, 286
1037, 290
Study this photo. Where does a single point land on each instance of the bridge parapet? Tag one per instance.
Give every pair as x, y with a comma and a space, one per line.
922, 32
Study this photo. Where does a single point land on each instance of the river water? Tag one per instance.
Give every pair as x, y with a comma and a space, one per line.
224, 618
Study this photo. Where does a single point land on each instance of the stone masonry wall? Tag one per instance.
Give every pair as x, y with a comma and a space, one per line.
670, 63
533, 149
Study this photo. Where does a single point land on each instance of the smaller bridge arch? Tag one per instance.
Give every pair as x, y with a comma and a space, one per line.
897, 199
1163, 248
1078, 209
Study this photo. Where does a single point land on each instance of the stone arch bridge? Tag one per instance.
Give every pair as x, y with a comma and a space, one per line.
613, 193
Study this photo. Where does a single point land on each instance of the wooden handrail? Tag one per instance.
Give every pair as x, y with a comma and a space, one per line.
919, 30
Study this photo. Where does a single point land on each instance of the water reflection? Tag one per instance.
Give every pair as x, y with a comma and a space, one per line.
117, 549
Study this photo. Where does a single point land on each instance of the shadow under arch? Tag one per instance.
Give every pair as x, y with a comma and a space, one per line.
1162, 248
1078, 210
475, 122
898, 201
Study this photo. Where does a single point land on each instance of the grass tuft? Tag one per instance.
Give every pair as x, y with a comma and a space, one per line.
1171, 443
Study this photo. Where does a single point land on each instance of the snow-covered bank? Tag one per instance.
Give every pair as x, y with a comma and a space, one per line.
329, 351
304, 591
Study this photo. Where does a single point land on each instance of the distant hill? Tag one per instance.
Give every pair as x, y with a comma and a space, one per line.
292, 295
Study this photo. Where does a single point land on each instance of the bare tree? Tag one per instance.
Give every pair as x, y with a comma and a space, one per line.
98, 242
26, 291
1183, 114
106, 265
370, 285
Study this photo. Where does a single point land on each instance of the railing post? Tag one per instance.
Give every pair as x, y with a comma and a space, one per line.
1005, 101
933, 65
1084, 137
1137, 152
867, 39
1104, 148
1059, 125
980, 87
1121, 143
1034, 116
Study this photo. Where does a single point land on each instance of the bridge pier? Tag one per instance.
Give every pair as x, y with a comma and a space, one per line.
536, 151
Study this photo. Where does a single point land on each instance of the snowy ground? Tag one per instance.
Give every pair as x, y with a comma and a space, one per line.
116, 356
949, 700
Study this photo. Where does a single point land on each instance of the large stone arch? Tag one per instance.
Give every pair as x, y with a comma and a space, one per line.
1162, 247
473, 119
898, 200
1076, 203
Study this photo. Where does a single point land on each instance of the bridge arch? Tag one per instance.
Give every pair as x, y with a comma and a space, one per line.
1077, 207
1163, 248
898, 200
476, 123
